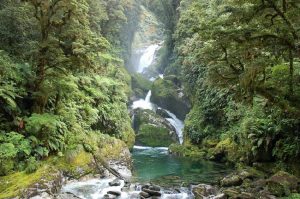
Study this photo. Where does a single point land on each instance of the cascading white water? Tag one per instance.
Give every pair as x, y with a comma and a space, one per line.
98, 188
174, 121
148, 96
177, 124
147, 57
143, 103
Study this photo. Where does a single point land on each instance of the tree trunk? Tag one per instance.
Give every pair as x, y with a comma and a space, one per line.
291, 72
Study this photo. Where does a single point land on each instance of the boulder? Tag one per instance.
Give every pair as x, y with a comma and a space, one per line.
220, 196
282, 184
140, 85
231, 180
162, 112
154, 188
108, 196
246, 195
168, 95
231, 193
152, 192
115, 193
144, 194
153, 130
115, 183
202, 190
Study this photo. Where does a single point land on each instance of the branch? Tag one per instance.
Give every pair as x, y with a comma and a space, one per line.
237, 71
282, 15
273, 36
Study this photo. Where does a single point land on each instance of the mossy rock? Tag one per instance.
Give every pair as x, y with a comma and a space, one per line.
165, 93
23, 184
6, 166
148, 123
128, 137
292, 196
282, 184
225, 150
154, 136
140, 85
187, 151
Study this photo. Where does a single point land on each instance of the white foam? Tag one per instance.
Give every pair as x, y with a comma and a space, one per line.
177, 124
143, 103
147, 57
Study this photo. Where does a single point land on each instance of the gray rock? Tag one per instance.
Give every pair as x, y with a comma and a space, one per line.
107, 196
231, 180
203, 190
115, 193
151, 192
154, 188
115, 182
220, 196
144, 194
232, 193
282, 184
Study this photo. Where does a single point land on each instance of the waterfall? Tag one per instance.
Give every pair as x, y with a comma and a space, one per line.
147, 57
177, 124
143, 103
148, 96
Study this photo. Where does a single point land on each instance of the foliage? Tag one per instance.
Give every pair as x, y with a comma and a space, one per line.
240, 65
62, 77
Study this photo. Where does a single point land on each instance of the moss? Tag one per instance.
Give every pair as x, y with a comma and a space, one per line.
75, 163
292, 196
140, 85
154, 136
224, 149
282, 184
13, 185
165, 95
113, 149
187, 151
129, 137
6, 166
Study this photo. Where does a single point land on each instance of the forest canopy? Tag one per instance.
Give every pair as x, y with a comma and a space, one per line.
62, 77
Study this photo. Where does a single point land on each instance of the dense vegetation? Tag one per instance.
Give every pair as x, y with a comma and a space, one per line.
61, 77
240, 64
64, 88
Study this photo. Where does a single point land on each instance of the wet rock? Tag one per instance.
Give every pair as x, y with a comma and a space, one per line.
245, 195
163, 113
152, 192
115, 193
107, 196
45, 186
266, 195
177, 190
232, 193
220, 196
203, 190
168, 95
282, 184
149, 127
66, 196
43, 195
145, 194
154, 188
246, 174
231, 180
145, 186
115, 183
